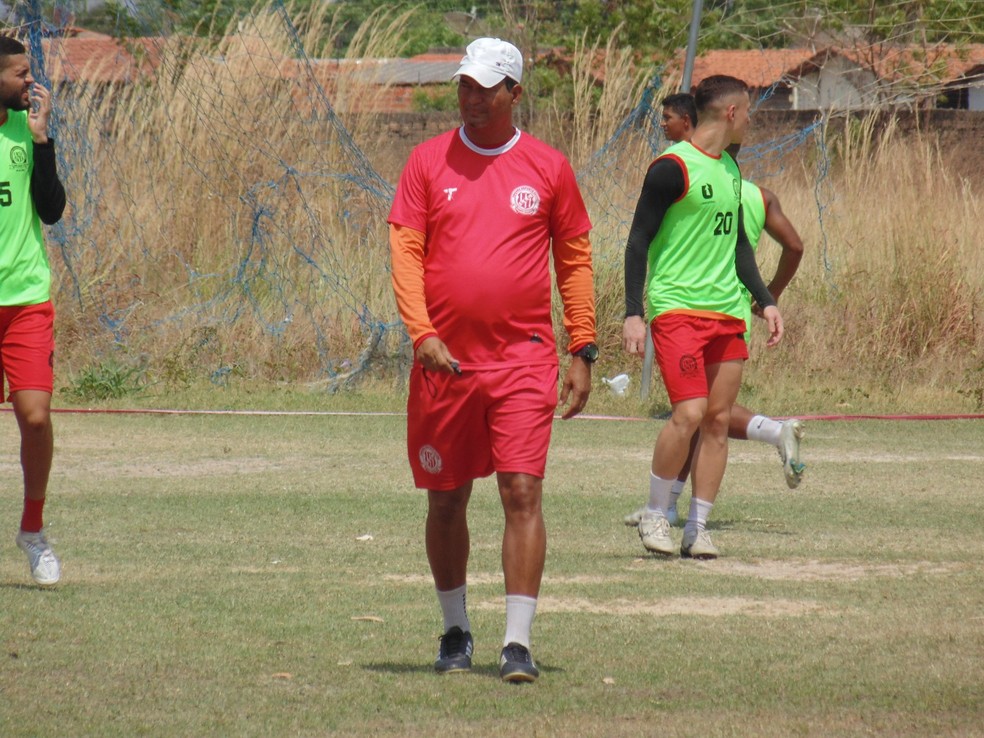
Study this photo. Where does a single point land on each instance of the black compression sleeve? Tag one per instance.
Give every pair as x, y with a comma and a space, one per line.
662, 187
46, 189
748, 271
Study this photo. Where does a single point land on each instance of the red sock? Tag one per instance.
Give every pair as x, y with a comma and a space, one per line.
31, 521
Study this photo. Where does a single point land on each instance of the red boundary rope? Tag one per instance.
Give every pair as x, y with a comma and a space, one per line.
152, 411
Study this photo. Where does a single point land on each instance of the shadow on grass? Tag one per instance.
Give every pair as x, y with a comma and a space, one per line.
715, 526
750, 525
483, 670
28, 586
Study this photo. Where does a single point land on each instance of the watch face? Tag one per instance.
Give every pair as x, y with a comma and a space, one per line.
589, 353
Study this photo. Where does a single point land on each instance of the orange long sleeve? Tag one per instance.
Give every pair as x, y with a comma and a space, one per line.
575, 281
407, 273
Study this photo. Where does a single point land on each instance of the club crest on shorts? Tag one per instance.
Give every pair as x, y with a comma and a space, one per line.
524, 200
430, 460
688, 365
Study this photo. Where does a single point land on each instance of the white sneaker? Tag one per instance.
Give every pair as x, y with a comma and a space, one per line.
699, 546
654, 532
633, 518
44, 564
789, 451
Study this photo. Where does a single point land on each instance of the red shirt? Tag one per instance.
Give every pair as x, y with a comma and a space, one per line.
488, 218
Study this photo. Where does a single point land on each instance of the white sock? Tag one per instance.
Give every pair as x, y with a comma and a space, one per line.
659, 494
453, 607
676, 490
520, 610
767, 430
700, 511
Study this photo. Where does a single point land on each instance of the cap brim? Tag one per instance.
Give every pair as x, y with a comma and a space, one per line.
483, 75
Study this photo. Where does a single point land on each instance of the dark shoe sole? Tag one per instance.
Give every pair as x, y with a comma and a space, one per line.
518, 677
661, 554
453, 668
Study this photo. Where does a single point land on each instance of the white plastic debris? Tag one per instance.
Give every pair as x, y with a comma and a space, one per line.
617, 384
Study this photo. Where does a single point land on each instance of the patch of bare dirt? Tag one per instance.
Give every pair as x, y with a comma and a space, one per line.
488, 578
774, 570
786, 570
154, 468
708, 606
792, 570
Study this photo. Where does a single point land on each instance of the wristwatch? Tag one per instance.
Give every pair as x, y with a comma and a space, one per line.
588, 352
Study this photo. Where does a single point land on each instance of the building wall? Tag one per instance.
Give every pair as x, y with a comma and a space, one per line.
779, 97
840, 85
975, 98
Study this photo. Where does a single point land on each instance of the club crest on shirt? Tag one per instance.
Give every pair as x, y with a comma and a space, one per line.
430, 460
524, 200
18, 159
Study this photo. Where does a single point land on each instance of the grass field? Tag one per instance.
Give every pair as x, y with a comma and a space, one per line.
261, 576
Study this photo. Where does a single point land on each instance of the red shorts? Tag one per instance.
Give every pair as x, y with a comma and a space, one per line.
687, 344
460, 428
27, 347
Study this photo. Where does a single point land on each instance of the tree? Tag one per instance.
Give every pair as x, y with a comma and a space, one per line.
649, 27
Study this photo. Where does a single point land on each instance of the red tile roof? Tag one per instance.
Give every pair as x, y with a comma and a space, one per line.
763, 68
104, 59
100, 58
758, 68
429, 57
928, 65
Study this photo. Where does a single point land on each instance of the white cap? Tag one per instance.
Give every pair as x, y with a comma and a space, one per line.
490, 60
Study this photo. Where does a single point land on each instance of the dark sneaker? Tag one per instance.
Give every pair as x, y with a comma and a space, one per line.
455, 653
516, 664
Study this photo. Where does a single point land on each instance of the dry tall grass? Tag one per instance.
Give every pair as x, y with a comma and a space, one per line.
605, 84
885, 312
226, 223
230, 199
886, 309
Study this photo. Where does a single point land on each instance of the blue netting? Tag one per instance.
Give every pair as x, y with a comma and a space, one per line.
222, 215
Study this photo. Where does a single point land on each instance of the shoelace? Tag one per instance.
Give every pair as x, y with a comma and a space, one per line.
40, 555
703, 538
38, 547
453, 643
517, 653
662, 525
